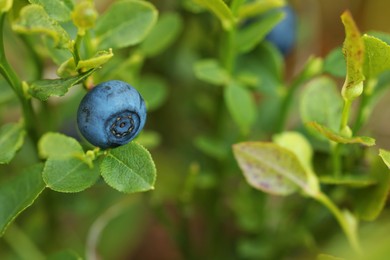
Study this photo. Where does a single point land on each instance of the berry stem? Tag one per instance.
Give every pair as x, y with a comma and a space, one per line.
345, 114
76, 48
347, 222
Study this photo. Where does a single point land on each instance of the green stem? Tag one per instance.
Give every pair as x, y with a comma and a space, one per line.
12, 78
76, 49
364, 109
345, 114
228, 55
22, 244
89, 48
349, 229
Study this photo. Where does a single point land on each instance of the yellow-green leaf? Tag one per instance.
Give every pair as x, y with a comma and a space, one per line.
221, 10
271, 168
255, 8
338, 138
34, 19
353, 50
98, 60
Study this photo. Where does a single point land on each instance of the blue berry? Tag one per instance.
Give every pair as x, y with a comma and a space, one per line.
111, 114
283, 35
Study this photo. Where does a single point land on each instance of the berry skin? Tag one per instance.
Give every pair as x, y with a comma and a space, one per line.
111, 114
283, 35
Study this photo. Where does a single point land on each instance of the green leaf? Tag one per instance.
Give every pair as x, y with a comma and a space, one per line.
255, 8
251, 35
241, 105
19, 193
11, 139
67, 168
221, 10
371, 201
377, 53
163, 34
34, 19
271, 168
298, 144
321, 90
211, 71
336, 137
129, 168
355, 181
353, 50
125, 23
334, 63
211, 147
43, 89
383, 36
57, 145
57, 9
69, 174
154, 90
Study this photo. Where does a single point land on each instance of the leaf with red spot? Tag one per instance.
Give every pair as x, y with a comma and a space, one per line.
271, 168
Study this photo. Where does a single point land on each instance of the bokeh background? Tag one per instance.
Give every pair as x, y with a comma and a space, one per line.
105, 223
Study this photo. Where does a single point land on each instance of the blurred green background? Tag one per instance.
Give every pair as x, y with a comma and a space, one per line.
202, 206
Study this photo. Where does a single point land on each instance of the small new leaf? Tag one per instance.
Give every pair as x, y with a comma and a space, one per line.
11, 139
241, 105
43, 89
129, 168
338, 138
353, 50
95, 62
271, 168
211, 71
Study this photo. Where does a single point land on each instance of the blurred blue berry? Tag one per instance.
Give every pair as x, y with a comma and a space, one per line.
283, 35
111, 114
